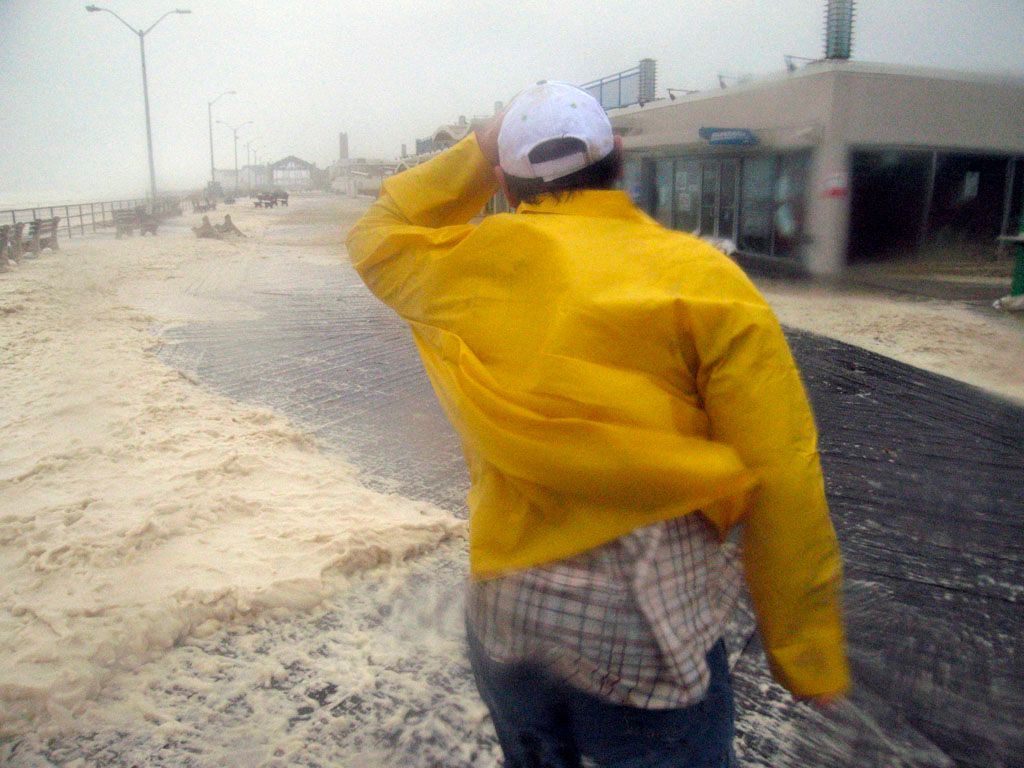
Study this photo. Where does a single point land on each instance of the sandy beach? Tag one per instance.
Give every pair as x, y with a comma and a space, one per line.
180, 564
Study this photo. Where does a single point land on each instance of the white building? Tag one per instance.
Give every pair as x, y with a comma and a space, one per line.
836, 163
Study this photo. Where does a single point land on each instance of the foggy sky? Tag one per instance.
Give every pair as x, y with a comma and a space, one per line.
72, 125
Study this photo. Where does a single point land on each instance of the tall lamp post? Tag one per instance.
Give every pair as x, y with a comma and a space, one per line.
234, 130
209, 116
248, 159
145, 85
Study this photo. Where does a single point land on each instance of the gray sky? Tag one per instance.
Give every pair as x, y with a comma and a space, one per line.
387, 71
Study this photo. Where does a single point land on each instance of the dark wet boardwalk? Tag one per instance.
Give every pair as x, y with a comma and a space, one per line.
925, 476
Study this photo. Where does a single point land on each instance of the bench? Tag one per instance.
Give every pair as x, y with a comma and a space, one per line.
147, 222
42, 233
127, 222
10, 242
124, 223
5, 234
203, 206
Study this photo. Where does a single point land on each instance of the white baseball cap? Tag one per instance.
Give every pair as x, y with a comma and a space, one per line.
552, 110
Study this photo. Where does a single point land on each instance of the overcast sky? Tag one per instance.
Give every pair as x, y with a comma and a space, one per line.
72, 124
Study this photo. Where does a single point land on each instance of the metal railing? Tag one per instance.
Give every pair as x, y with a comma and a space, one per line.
76, 217
631, 86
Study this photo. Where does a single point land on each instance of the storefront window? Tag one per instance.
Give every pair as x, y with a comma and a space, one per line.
727, 189
708, 197
664, 171
756, 201
688, 195
632, 181
757, 205
790, 189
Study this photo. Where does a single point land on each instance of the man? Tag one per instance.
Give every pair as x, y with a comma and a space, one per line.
624, 397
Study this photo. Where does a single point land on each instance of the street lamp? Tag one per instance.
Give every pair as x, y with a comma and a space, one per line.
250, 151
145, 85
209, 116
234, 130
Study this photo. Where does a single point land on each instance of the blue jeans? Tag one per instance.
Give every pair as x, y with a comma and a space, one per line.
544, 723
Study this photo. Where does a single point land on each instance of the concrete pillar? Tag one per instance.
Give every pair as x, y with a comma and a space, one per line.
828, 209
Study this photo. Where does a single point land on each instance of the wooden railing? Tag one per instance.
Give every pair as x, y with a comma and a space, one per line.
76, 217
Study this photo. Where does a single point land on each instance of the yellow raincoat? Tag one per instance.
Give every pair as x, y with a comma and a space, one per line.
605, 373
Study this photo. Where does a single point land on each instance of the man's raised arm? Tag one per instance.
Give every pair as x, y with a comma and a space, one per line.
420, 215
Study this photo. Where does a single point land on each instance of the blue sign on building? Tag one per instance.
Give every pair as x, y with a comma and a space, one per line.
733, 137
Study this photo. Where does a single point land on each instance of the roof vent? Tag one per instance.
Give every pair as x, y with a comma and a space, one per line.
839, 28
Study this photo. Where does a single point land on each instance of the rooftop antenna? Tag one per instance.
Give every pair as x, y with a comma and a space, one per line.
839, 28
685, 91
735, 78
792, 62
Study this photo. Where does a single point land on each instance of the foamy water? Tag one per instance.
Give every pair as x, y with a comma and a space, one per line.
137, 508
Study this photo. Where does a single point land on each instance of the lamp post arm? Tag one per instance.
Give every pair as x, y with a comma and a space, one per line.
218, 98
93, 8
150, 28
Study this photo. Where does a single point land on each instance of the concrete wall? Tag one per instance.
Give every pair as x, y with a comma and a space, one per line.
788, 112
930, 111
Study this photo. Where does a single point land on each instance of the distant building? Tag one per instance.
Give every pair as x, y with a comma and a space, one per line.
254, 177
360, 176
839, 162
227, 179
449, 134
295, 175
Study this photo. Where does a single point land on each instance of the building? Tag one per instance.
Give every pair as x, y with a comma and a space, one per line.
295, 175
360, 176
254, 177
835, 163
227, 179
450, 134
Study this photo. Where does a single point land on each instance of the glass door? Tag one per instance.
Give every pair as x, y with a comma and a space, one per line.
728, 187
688, 195
709, 197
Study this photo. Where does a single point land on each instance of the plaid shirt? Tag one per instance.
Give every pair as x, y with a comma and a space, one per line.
630, 621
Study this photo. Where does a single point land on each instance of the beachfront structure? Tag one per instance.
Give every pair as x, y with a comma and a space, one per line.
449, 134
294, 174
835, 163
360, 176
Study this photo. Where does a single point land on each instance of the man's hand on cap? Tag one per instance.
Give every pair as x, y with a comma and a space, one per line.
487, 138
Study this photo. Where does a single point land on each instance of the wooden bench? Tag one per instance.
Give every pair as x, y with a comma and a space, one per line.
147, 222
5, 234
124, 223
127, 222
203, 206
13, 247
42, 233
